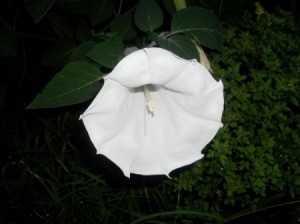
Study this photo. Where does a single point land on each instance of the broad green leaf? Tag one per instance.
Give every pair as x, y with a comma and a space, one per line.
107, 53
59, 54
75, 83
38, 8
7, 42
148, 15
80, 52
180, 45
123, 27
200, 23
100, 11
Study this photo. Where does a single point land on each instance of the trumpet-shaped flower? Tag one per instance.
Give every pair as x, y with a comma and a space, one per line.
155, 112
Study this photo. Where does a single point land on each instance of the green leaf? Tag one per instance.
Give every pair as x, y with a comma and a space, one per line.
148, 15
59, 54
75, 83
38, 8
7, 42
107, 53
79, 53
179, 45
100, 11
201, 24
123, 27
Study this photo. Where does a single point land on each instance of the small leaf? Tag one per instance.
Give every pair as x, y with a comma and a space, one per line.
201, 24
180, 46
123, 27
59, 54
79, 53
107, 53
76, 83
38, 8
148, 15
7, 42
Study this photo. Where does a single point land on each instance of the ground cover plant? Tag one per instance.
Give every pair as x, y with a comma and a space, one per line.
49, 170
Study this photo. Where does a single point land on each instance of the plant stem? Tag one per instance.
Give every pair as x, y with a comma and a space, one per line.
180, 4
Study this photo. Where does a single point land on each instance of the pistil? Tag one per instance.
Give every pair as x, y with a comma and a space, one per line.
152, 108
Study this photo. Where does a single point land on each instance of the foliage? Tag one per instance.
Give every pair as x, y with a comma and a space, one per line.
255, 155
144, 23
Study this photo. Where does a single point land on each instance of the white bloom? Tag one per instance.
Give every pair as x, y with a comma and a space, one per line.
155, 112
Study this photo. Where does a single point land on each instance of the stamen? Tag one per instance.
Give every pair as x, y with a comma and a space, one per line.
152, 108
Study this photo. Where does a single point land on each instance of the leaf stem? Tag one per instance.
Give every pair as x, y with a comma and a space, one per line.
180, 4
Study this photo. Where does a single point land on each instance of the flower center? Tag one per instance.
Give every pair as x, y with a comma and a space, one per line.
152, 108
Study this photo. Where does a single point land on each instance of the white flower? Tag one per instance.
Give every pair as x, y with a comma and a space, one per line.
155, 112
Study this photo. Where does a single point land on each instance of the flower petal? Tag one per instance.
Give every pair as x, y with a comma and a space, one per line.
190, 105
147, 66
